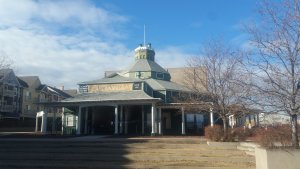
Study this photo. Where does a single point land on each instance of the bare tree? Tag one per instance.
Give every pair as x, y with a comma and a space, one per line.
218, 72
5, 61
275, 63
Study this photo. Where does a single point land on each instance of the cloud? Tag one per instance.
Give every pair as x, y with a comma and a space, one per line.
172, 56
66, 42
63, 42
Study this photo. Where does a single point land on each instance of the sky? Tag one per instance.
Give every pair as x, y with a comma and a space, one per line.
69, 41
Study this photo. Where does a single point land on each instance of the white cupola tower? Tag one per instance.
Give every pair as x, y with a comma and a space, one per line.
145, 52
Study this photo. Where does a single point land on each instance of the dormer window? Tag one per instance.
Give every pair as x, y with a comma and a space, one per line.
159, 75
139, 75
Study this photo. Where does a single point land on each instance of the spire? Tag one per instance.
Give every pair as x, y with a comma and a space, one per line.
144, 51
144, 35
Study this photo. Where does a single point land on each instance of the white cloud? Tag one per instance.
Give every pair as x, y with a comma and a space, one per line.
64, 13
66, 42
172, 56
49, 56
61, 41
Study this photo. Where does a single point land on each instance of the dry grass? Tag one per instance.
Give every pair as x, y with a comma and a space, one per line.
119, 154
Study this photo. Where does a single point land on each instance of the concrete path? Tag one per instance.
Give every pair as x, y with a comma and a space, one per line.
96, 152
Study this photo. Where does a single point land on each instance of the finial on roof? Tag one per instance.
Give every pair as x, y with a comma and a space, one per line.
144, 35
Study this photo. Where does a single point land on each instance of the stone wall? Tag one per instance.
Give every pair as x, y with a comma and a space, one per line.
277, 158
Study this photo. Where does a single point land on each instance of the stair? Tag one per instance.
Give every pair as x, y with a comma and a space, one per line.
248, 147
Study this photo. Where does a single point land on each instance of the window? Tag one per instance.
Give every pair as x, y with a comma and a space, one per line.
27, 95
83, 88
137, 74
28, 107
159, 75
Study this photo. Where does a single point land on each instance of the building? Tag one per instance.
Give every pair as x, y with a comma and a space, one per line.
186, 76
34, 94
10, 95
141, 100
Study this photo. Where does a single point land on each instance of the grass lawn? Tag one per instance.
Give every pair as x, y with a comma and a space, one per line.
118, 153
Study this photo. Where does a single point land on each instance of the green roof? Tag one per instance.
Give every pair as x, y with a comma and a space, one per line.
110, 96
165, 85
145, 65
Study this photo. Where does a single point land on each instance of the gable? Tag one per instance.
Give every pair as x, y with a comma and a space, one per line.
11, 79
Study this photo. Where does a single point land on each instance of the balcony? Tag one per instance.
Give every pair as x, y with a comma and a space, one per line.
8, 108
9, 93
41, 100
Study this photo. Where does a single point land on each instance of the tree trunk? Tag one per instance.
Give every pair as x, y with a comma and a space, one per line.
224, 128
295, 140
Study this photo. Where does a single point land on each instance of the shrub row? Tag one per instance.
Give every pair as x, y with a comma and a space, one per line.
216, 133
275, 136
269, 137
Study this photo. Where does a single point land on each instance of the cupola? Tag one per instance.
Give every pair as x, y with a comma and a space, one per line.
144, 52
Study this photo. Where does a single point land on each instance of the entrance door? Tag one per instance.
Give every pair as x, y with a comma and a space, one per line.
103, 120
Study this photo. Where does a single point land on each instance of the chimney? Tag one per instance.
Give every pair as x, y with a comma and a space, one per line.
62, 88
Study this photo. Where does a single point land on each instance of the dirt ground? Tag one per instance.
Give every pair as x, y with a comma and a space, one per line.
94, 153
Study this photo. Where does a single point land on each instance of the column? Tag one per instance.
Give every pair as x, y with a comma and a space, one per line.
153, 119
257, 120
86, 120
44, 122
231, 121
121, 119
93, 121
211, 117
62, 120
78, 125
116, 120
183, 121
53, 121
36, 122
126, 120
143, 120
159, 121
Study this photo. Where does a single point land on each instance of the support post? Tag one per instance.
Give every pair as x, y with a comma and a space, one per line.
183, 121
121, 120
211, 117
153, 119
116, 120
86, 120
159, 121
53, 121
143, 120
62, 120
126, 120
93, 122
78, 125
44, 122
36, 122
257, 120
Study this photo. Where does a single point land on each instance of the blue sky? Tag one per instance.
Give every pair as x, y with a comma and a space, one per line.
68, 41
184, 23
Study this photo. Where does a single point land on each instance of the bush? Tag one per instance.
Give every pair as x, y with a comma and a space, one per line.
239, 133
213, 133
274, 136
216, 133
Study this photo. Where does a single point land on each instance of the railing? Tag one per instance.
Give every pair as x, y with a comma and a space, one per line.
39, 100
8, 108
10, 92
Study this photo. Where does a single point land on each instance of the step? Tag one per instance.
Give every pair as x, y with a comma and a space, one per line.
243, 148
251, 153
248, 144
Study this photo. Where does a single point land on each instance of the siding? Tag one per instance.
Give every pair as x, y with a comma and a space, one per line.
110, 87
